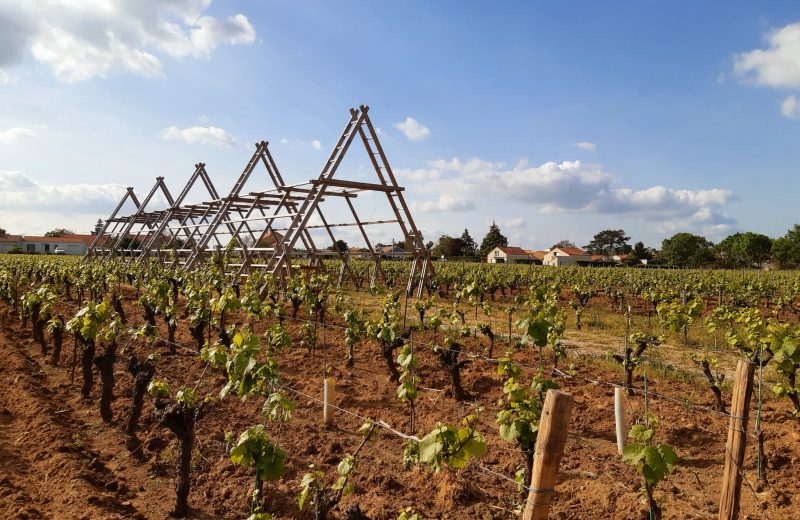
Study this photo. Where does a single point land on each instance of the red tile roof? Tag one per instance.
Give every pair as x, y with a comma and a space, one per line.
513, 250
270, 237
10, 238
390, 249
572, 251
66, 239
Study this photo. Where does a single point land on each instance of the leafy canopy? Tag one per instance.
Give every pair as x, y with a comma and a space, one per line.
494, 238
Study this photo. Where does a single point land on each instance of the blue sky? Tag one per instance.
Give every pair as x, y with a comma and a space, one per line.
554, 119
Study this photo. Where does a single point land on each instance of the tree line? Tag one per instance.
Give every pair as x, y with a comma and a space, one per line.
739, 250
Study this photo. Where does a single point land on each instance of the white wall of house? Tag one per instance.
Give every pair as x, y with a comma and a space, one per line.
498, 256
557, 257
5, 247
49, 246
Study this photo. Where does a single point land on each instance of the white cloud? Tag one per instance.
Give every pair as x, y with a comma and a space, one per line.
413, 129
777, 66
16, 134
790, 108
569, 186
420, 174
586, 145
660, 200
566, 185
20, 192
705, 221
316, 144
516, 222
4, 77
444, 203
199, 135
83, 39
211, 32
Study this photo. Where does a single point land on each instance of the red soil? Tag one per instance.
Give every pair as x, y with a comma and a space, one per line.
59, 460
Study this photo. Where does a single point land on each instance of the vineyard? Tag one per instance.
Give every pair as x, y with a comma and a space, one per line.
134, 390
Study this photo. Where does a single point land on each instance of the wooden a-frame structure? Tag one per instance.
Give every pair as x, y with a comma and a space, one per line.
187, 235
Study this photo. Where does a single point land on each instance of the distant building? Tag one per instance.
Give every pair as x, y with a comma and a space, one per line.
509, 255
560, 256
9, 242
70, 244
538, 256
269, 238
390, 251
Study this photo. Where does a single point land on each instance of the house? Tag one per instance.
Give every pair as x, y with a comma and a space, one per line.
559, 256
356, 252
390, 251
71, 244
509, 255
9, 242
269, 238
538, 256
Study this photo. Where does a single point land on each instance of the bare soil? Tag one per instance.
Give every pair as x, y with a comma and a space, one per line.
59, 460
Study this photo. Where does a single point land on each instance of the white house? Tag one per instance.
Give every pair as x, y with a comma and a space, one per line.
509, 255
9, 242
559, 256
69, 244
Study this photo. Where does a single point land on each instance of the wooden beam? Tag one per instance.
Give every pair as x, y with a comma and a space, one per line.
737, 435
550, 443
355, 185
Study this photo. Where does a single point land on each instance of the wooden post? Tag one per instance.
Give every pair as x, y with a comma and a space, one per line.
737, 435
549, 448
328, 397
621, 418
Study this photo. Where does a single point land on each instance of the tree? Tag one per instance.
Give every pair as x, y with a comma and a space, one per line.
59, 232
786, 249
609, 242
686, 250
128, 243
494, 238
745, 249
340, 246
447, 247
785, 252
563, 243
98, 227
3, 232
640, 252
468, 245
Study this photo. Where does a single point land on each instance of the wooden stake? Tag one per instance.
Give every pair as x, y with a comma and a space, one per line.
328, 397
737, 435
549, 448
620, 418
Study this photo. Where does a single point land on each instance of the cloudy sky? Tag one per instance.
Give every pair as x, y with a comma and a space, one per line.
554, 119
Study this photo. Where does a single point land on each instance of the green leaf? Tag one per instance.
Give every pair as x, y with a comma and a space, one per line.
668, 454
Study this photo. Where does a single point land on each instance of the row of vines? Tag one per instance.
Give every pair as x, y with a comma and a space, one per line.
241, 328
